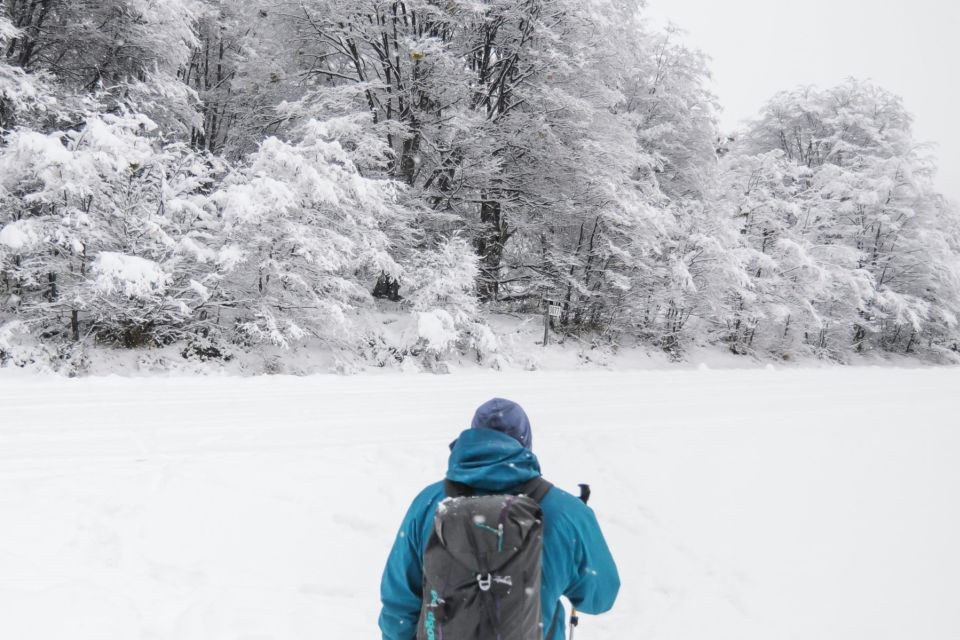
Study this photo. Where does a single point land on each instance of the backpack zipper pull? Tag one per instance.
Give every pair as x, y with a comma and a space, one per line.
484, 582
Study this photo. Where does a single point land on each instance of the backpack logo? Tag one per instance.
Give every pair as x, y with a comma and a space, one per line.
431, 618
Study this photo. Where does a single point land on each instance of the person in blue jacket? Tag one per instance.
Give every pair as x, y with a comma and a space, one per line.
494, 456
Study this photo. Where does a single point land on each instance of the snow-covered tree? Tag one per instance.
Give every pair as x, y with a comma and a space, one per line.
97, 233
311, 234
130, 50
378, 175
19, 91
857, 207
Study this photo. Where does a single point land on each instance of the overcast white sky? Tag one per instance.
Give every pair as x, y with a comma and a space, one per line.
911, 47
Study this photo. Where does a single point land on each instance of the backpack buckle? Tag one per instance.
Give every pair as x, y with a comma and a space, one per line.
484, 582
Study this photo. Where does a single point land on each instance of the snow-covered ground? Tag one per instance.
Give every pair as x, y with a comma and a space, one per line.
749, 504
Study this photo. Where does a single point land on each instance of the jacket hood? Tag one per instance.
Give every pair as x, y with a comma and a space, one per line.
491, 461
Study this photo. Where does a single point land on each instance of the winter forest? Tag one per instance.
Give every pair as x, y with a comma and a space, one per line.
381, 179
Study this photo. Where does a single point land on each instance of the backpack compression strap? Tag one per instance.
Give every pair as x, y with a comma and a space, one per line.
535, 489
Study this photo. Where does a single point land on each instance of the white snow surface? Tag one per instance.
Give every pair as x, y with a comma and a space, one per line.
740, 504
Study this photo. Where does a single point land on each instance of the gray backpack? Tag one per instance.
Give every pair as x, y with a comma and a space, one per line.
481, 567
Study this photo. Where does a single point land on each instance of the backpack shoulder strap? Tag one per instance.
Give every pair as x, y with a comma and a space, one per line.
456, 489
536, 489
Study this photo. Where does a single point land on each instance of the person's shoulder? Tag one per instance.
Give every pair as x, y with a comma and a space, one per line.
430, 495
561, 506
432, 490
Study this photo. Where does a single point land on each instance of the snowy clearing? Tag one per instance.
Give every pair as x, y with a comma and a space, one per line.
752, 504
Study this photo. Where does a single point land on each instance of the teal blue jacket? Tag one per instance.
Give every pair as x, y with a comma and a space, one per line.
576, 561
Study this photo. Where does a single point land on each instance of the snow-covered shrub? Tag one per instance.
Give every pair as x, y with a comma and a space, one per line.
19, 348
101, 232
312, 235
22, 348
437, 330
445, 277
442, 290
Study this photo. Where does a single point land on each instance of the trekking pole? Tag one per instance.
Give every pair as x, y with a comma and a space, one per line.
574, 618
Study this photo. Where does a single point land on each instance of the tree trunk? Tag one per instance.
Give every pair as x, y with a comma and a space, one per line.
493, 236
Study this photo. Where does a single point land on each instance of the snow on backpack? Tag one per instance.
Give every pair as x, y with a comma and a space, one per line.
481, 567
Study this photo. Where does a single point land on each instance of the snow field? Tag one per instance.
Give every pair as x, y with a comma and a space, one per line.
749, 504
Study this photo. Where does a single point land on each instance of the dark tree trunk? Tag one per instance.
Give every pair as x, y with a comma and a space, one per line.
387, 288
493, 236
52, 292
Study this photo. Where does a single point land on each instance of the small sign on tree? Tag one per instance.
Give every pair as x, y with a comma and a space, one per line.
551, 309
